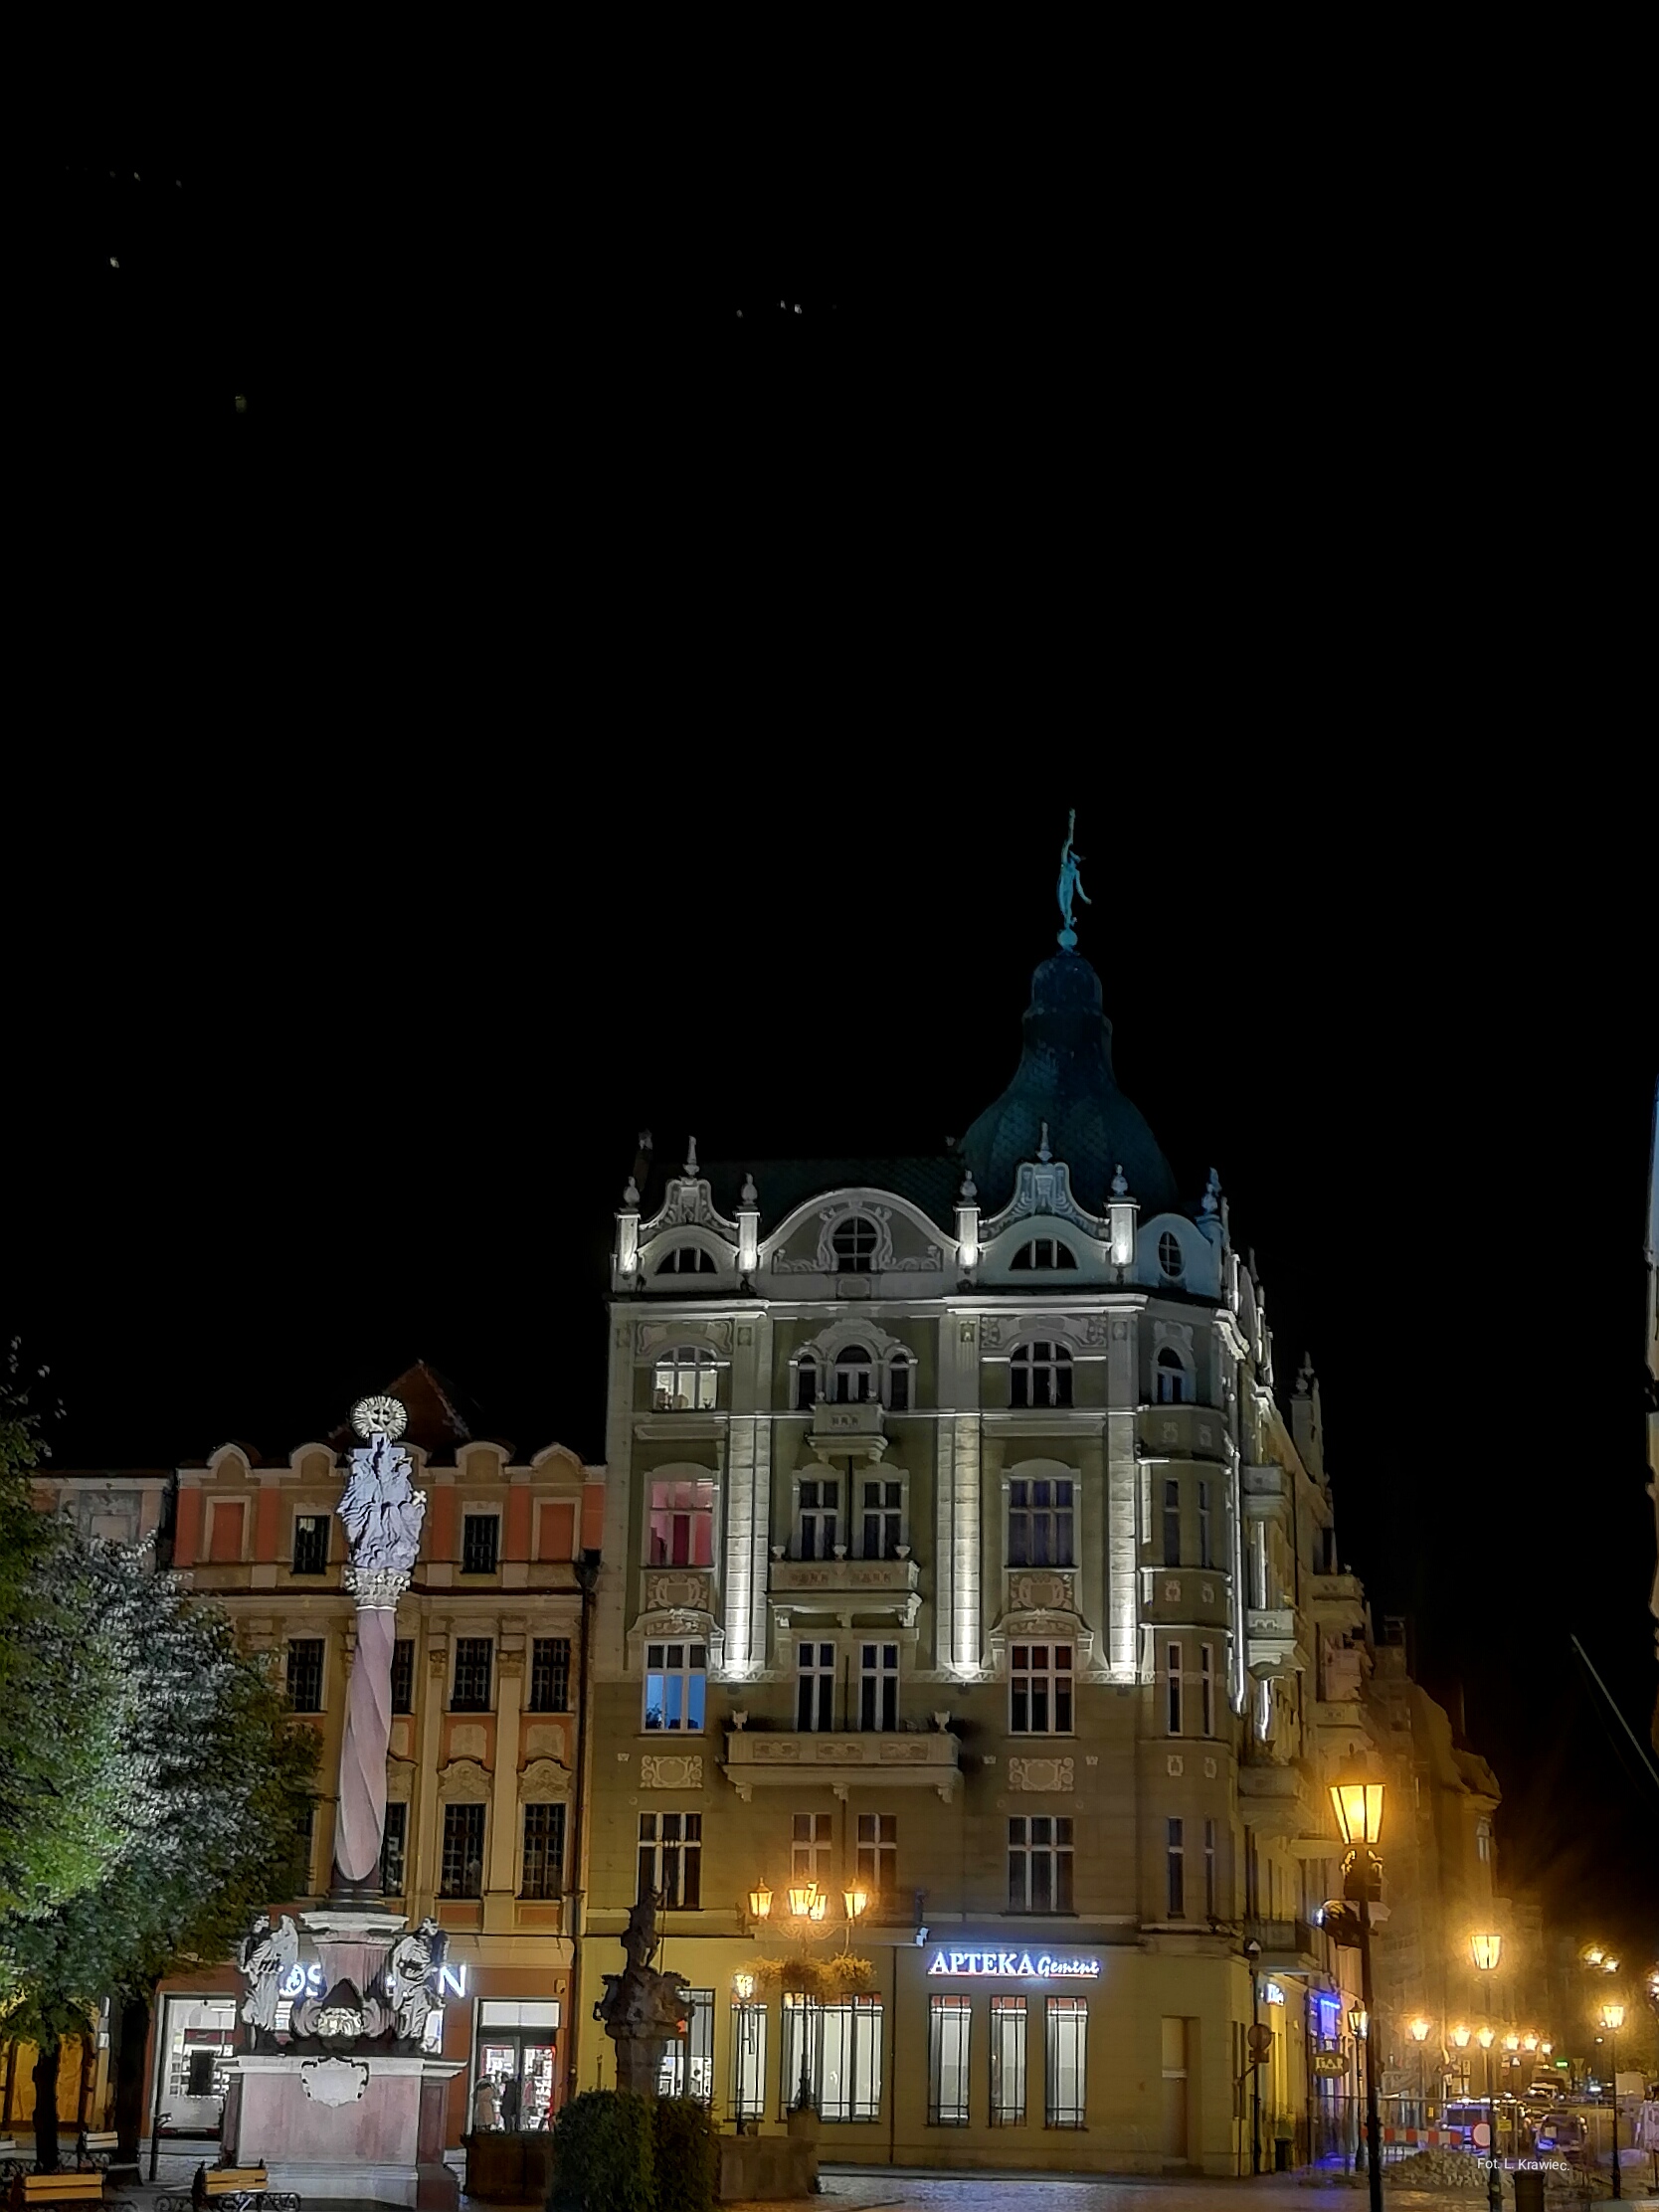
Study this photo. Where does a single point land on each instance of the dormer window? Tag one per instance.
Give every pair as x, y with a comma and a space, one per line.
1040, 1374
1043, 1252
1168, 1255
684, 1380
1173, 1382
898, 1382
805, 1384
853, 1243
687, 1259
854, 1376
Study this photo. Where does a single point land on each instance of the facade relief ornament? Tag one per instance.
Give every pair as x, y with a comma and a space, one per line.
1041, 1774
677, 1592
544, 1779
464, 1781
670, 1773
1173, 1332
1120, 1331
1175, 1764
509, 1666
334, 2081
1033, 1591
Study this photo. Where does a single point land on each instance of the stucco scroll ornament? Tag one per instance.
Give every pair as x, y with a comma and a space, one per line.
1069, 885
264, 1955
411, 1965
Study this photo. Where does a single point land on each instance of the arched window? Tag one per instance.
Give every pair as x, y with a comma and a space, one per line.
854, 1376
1043, 1252
1040, 1374
805, 1384
1172, 1377
685, 1380
1168, 1255
898, 1382
687, 1259
852, 1241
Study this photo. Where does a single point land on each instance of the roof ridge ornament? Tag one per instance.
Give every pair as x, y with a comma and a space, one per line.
1305, 1375
691, 1159
1213, 1193
631, 1192
1069, 885
748, 1195
1120, 1184
1043, 1152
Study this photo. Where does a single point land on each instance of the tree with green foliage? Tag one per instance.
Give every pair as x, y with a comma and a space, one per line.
604, 2153
213, 1772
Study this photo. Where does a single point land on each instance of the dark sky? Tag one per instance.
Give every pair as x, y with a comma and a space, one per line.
559, 705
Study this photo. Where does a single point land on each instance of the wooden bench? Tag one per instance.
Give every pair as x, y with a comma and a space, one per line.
95, 2150
231, 2190
63, 2188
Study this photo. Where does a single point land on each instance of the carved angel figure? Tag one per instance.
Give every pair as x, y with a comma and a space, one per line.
413, 1960
1069, 885
264, 1955
382, 1510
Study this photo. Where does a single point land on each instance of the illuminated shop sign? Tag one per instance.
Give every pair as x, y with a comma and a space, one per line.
302, 1980
1015, 1965
1272, 1992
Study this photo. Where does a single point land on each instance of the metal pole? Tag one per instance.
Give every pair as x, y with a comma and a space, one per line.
1374, 2165
1613, 2039
1255, 2073
1494, 2172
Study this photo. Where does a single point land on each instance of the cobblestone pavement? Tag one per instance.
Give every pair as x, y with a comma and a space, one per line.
902, 2192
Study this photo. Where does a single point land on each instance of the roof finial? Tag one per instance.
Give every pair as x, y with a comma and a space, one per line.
1120, 1184
692, 1157
969, 1189
1043, 1152
1213, 1193
1069, 886
748, 1195
631, 1195
1305, 1375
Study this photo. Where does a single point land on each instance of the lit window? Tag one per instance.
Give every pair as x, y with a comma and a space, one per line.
1039, 1522
1172, 1657
879, 1686
1039, 1690
1041, 1374
805, 1384
748, 2060
310, 1542
675, 1680
853, 1243
814, 1698
811, 1847
844, 2055
1168, 1255
481, 1542
671, 1858
685, 1259
305, 1669
682, 1523
818, 1518
1172, 1377
1483, 1840
1175, 1859
1007, 2062
948, 2021
687, 2067
1039, 1863
854, 1376
543, 1870
883, 1519
1043, 1252
1065, 2055
686, 1380
898, 1382
461, 1872
878, 1855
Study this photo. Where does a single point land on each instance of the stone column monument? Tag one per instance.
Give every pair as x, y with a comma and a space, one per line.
352, 2103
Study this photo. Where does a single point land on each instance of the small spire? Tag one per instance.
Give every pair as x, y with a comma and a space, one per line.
1120, 1184
969, 1189
1043, 1152
631, 1195
692, 1157
1213, 1193
749, 1196
1305, 1375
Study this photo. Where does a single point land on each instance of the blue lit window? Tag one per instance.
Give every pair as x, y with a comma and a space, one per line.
676, 1678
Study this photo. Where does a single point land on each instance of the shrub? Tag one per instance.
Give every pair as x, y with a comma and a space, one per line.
604, 2154
687, 2155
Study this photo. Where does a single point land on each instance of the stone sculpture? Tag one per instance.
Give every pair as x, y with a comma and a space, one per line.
266, 1954
1069, 886
641, 2008
414, 1959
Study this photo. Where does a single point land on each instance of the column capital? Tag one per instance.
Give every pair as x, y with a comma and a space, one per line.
376, 1588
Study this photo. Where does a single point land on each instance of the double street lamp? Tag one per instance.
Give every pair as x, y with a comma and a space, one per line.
1488, 1950
809, 1905
1359, 1809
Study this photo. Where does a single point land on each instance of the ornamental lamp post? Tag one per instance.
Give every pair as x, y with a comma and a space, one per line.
1418, 2032
743, 1988
1358, 1803
1488, 1950
1613, 2019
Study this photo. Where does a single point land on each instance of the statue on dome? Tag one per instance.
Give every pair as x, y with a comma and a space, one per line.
1069, 886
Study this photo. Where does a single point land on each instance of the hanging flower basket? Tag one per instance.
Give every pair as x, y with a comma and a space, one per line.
822, 1978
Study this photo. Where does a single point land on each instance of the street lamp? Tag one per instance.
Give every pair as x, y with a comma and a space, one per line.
1488, 1950
743, 1988
1418, 2032
1358, 1803
1613, 2019
1528, 2042
760, 1901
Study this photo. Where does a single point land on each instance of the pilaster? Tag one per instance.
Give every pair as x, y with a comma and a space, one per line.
423, 1842
1122, 1590
501, 1889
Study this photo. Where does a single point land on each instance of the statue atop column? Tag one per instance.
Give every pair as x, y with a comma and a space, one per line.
1069, 885
641, 2008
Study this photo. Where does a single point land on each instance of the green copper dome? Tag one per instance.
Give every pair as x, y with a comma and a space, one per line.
1064, 1078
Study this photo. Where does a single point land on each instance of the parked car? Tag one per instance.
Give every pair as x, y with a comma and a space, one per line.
1560, 2136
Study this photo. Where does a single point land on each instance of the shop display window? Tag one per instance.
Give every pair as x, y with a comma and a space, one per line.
1007, 2062
950, 2020
1065, 2062
844, 2055
518, 2048
688, 2060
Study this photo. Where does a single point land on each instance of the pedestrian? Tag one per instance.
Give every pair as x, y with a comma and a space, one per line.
509, 2105
486, 2106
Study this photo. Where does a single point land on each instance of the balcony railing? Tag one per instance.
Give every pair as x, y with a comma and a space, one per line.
838, 1430
1180, 1432
881, 1757
792, 1575
1287, 1947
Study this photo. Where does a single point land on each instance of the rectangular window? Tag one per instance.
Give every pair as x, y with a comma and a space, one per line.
671, 1858
883, 1529
843, 2044
1207, 1541
898, 1386
310, 1542
1171, 1522
472, 1665
394, 1848
748, 2061
481, 1542
1171, 1656
550, 1674
305, 1661
1039, 1690
811, 1847
1040, 1523
1206, 1686
878, 1855
1007, 2062
402, 1674
1210, 1870
879, 1686
820, 1519
543, 1872
1175, 1856
948, 2025
1065, 2062
676, 1677
687, 2067
461, 1872
224, 1532
1039, 1863
814, 1696
681, 1524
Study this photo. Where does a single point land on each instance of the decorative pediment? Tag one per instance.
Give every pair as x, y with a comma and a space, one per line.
464, 1781
1042, 1187
653, 1335
841, 1334
542, 1780
1031, 1625
883, 1260
688, 1205
1173, 1332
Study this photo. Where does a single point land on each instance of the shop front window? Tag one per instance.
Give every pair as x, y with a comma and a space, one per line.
1065, 2066
687, 2067
949, 2022
844, 2055
517, 2047
1007, 2062
199, 2035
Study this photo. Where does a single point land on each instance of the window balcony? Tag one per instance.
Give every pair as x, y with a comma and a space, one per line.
857, 1430
1288, 1946
889, 1576
1271, 1646
885, 1759
1279, 1800
1180, 1432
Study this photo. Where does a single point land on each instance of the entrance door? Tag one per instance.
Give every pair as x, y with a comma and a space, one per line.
518, 2048
197, 2037
1174, 2088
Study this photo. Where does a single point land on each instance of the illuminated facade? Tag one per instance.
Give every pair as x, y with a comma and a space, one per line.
956, 1548
1653, 1373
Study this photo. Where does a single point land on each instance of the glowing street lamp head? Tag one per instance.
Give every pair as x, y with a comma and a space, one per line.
760, 1901
1547, 2047
855, 1898
1484, 2039
1460, 2036
1358, 2019
1593, 1955
743, 1987
1512, 2042
1419, 2031
1528, 2042
1609, 1966
1612, 2017
1358, 1810
802, 1895
1487, 1950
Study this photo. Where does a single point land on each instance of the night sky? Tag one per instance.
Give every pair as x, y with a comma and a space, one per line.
585, 708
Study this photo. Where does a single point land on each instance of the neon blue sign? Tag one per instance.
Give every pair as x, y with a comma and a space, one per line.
1015, 1965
